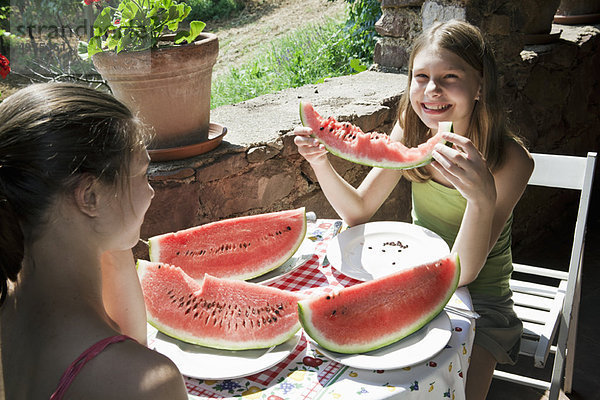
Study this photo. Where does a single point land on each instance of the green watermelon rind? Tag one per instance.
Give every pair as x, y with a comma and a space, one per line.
226, 345
175, 334
444, 126
304, 314
154, 252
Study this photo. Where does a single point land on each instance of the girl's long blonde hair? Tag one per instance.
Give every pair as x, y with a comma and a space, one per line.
487, 128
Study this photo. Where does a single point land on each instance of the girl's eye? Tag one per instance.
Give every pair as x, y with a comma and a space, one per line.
451, 76
421, 76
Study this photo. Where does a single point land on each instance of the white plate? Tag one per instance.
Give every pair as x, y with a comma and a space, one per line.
206, 363
376, 249
413, 349
290, 265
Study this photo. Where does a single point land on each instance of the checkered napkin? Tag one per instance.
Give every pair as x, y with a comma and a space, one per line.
266, 377
308, 275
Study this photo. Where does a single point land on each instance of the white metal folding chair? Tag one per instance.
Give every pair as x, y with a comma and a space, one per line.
546, 308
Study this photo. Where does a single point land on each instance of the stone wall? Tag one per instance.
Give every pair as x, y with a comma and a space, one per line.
257, 168
554, 98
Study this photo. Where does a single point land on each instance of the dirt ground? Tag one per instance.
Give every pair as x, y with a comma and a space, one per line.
241, 36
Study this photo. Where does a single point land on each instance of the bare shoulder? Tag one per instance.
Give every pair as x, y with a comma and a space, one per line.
517, 160
512, 176
129, 370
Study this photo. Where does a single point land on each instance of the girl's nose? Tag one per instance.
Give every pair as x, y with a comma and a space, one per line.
432, 88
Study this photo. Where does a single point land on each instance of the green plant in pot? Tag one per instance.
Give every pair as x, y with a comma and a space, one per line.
162, 72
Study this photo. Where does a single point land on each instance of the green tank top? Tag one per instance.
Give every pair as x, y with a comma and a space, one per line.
440, 209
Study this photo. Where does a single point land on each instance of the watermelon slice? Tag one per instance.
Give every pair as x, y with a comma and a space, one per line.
374, 149
219, 313
235, 248
376, 313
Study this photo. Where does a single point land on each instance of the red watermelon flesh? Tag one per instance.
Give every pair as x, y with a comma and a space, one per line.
374, 149
373, 314
219, 313
235, 248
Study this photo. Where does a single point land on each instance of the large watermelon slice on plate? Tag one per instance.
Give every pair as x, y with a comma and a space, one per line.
219, 313
235, 248
374, 149
373, 314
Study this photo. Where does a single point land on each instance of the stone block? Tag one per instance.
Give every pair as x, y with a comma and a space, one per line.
440, 11
261, 153
177, 174
391, 53
497, 25
399, 22
374, 121
545, 89
174, 207
258, 188
223, 167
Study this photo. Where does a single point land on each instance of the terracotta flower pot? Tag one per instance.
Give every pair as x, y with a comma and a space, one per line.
572, 12
537, 24
168, 87
538, 16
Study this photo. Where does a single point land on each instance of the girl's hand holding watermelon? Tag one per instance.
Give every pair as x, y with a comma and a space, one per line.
467, 195
465, 168
309, 147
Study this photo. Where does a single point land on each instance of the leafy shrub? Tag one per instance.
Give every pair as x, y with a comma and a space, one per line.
358, 35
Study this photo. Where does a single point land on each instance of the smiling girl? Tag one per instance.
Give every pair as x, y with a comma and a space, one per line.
467, 194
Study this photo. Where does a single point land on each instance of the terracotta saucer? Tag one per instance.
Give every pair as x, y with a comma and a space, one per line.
577, 19
215, 136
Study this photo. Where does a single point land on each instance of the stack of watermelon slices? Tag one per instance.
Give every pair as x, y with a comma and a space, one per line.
186, 301
194, 290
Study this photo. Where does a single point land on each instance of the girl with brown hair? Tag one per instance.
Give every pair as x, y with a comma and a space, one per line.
467, 194
73, 195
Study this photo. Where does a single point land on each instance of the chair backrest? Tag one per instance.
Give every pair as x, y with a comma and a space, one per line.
569, 172
559, 171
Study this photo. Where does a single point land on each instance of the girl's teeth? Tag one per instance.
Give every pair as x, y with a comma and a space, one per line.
437, 108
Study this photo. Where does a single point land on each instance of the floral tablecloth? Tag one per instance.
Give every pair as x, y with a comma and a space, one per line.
307, 374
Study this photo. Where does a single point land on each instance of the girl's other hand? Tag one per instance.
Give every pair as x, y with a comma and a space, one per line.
310, 148
464, 166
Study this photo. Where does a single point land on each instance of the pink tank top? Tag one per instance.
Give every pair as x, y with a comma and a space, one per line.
75, 367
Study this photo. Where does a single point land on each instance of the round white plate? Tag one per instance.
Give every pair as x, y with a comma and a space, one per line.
413, 349
206, 363
375, 249
292, 264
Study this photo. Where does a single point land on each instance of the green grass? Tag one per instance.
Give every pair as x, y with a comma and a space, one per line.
307, 55
205, 10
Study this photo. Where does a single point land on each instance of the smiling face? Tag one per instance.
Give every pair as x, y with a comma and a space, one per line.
443, 88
